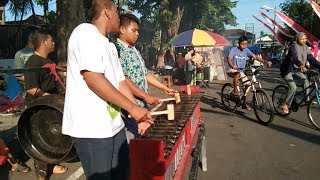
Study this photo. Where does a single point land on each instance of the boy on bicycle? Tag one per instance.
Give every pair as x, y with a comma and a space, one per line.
237, 60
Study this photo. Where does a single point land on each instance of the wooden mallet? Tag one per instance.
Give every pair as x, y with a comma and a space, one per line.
176, 98
169, 112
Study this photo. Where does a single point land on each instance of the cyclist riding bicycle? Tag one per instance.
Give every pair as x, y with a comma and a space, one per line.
298, 59
237, 60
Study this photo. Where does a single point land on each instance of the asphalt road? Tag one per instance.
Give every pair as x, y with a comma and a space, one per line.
238, 147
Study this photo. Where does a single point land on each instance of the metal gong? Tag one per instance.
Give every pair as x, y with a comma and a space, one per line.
39, 131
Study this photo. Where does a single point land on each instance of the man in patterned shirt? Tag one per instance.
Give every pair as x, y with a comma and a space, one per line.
137, 75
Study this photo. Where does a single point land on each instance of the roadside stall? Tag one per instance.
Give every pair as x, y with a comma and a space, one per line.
209, 45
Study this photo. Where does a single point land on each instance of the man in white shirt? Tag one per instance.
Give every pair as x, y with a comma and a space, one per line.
96, 90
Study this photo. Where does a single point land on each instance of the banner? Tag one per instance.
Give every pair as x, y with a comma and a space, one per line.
283, 30
315, 7
296, 27
275, 34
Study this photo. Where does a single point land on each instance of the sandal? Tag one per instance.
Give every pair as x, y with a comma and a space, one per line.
41, 174
59, 169
246, 106
285, 109
22, 169
314, 102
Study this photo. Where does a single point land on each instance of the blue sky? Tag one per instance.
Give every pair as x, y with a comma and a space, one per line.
246, 8
38, 9
243, 11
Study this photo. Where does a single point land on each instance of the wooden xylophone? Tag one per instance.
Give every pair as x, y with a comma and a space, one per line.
163, 152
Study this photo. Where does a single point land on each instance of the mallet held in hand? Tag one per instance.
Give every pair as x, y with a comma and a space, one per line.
169, 112
176, 98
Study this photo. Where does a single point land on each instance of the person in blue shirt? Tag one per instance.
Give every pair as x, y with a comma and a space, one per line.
237, 60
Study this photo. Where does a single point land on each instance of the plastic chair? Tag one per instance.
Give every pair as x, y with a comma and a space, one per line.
167, 80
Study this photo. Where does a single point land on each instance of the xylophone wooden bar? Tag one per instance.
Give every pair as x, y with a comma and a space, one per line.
161, 154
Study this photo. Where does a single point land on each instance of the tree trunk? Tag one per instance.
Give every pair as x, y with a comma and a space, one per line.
45, 11
169, 33
15, 15
70, 13
22, 14
33, 12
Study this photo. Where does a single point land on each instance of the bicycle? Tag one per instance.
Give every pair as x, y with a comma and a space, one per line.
261, 101
279, 95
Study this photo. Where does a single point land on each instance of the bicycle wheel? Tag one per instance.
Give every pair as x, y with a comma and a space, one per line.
226, 97
279, 96
314, 112
262, 106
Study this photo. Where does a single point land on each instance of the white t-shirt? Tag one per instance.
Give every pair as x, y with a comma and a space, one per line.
86, 115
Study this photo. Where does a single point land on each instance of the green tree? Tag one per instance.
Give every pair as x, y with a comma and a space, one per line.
212, 15
20, 8
300, 11
171, 17
45, 4
166, 15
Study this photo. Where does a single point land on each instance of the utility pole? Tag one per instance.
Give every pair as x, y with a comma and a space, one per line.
274, 29
249, 27
274, 26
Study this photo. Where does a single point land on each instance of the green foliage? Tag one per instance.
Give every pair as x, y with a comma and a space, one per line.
205, 14
147, 8
210, 15
42, 2
170, 17
302, 13
20, 7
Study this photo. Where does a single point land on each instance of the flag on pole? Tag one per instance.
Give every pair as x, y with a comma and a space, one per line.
283, 30
315, 7
275, 34
296, 27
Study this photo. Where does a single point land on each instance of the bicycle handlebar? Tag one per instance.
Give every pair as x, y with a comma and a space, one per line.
312, 72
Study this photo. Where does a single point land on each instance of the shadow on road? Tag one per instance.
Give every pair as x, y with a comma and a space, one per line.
5, 171
215, 103
300, 123
313, 138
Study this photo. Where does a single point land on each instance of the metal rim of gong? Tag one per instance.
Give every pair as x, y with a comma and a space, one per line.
39, 131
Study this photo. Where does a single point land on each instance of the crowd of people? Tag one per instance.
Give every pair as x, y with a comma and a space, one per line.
187, 66
101, 138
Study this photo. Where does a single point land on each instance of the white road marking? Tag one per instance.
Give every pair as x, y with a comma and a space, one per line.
76, 174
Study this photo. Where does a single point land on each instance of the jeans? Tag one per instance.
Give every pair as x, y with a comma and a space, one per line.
188, 76
130, 126
104, 158
293, 86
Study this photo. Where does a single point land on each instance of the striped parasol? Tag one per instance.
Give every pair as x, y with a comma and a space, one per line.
197, 37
